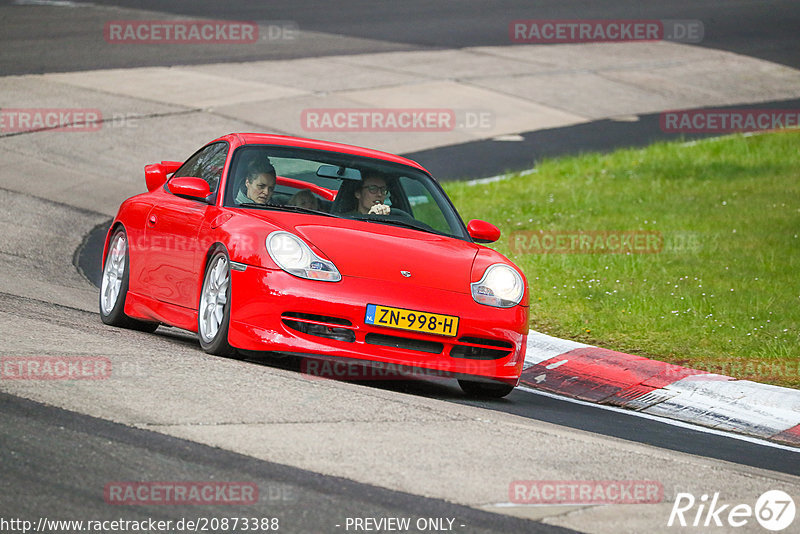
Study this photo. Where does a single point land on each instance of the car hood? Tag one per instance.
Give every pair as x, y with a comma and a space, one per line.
384, 252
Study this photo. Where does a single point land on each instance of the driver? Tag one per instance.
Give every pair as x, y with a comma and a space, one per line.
371, 195
259, 183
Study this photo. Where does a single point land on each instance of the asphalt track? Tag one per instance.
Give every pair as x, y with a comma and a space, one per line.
57, 461
765, 30
45, 476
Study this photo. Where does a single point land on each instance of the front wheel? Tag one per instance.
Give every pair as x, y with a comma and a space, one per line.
214, 311
485, 390
114, 286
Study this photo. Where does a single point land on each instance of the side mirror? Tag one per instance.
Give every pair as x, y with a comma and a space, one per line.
156, 174
482, 231
190, 187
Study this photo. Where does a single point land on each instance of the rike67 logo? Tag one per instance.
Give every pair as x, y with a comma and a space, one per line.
774, 510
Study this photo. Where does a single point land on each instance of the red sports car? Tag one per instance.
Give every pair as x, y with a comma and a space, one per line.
272, 243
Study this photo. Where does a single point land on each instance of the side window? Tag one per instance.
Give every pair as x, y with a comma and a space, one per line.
423, 204
206, 164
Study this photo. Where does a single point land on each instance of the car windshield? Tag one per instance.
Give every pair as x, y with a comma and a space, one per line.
340, 185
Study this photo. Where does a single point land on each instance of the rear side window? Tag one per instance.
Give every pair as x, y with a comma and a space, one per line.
207, 164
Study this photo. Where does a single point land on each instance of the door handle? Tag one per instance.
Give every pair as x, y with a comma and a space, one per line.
152, 220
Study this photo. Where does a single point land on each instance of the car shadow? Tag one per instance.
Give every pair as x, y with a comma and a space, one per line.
313, 367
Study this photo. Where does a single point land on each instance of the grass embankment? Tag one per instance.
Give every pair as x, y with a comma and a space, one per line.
719, 292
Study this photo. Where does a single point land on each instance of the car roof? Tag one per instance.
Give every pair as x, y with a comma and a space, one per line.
329, 146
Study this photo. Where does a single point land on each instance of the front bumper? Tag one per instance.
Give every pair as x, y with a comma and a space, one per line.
272, 310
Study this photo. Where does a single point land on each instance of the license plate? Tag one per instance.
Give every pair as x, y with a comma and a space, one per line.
417, 321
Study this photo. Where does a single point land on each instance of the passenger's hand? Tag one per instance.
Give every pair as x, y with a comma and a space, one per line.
379, 209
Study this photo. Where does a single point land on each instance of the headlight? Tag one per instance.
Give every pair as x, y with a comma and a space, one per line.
295, 257
501, 286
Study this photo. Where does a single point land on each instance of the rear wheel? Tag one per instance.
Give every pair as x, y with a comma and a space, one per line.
114, 286
485, 390
214, 312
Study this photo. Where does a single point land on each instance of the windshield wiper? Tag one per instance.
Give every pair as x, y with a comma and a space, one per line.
280, 207
413, 224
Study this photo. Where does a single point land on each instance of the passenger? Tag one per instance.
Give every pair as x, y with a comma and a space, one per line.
259, 183
304, 199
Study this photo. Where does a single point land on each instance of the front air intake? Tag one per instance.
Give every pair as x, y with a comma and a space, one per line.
319, 326
475, 348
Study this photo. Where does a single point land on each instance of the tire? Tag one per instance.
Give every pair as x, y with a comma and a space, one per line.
214, 309
114, 286
484, 389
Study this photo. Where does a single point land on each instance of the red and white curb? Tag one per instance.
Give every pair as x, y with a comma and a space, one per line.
661, 389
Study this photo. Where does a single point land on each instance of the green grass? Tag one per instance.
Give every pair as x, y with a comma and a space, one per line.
723, 292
